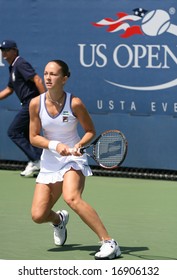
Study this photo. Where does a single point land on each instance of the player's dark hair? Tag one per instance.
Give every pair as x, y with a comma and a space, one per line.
64, 67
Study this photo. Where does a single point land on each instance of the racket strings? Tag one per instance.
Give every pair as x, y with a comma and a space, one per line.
110, 149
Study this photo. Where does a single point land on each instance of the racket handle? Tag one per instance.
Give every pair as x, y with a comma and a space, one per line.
71, 150
81, 150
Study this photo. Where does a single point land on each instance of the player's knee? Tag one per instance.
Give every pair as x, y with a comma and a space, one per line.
37, 217
72, 202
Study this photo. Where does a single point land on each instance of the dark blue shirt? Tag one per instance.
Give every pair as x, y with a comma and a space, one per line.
20, 74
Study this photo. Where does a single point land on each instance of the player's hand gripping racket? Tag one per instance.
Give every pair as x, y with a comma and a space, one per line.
108, 150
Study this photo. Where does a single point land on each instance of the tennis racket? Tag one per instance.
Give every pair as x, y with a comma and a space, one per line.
109, 149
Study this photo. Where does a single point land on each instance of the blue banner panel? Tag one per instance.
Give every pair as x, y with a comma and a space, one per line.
122, 57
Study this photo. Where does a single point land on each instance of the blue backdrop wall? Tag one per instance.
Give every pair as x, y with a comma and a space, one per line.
122, 56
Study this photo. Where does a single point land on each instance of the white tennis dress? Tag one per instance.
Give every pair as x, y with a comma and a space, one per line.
63, 128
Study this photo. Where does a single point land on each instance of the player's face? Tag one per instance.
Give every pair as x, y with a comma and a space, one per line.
53, 76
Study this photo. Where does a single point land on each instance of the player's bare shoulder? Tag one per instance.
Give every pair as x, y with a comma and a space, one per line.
77, 103
34, 103
78, 107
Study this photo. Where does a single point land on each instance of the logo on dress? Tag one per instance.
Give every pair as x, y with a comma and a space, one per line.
65, 116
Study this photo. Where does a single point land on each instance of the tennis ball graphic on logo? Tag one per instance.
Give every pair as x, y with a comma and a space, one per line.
155, 22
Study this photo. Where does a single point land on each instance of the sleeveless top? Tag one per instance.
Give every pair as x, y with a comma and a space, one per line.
61, 127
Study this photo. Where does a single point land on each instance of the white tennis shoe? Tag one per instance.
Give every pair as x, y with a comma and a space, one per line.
31, 168
60, 231
109, 250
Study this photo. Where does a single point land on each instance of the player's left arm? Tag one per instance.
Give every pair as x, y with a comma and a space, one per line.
83, 116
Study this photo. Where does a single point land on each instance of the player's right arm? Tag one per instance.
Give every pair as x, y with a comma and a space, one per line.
36, 138
5, 92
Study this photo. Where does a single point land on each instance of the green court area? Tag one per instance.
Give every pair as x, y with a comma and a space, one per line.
141, 214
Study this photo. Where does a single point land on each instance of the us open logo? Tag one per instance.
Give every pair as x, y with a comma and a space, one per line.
154, 23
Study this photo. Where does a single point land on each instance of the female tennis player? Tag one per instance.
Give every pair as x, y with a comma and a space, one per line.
57, 114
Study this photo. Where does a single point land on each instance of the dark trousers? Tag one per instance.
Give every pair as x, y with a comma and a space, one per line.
19, 133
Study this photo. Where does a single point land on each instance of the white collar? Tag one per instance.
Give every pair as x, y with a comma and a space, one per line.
15, 60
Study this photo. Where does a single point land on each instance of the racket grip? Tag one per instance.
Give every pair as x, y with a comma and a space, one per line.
71, 150
82, 150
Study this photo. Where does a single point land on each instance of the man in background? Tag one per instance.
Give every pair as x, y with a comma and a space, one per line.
26, 83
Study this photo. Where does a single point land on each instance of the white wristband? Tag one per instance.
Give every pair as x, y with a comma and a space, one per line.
53, 145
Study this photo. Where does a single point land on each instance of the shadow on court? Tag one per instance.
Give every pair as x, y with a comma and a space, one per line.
128, 251
73, 247
133, 251
94, 249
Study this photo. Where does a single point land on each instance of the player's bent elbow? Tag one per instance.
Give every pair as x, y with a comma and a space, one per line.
32, 141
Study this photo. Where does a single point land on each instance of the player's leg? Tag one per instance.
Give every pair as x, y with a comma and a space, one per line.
45, 196
72, 193
73, 186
